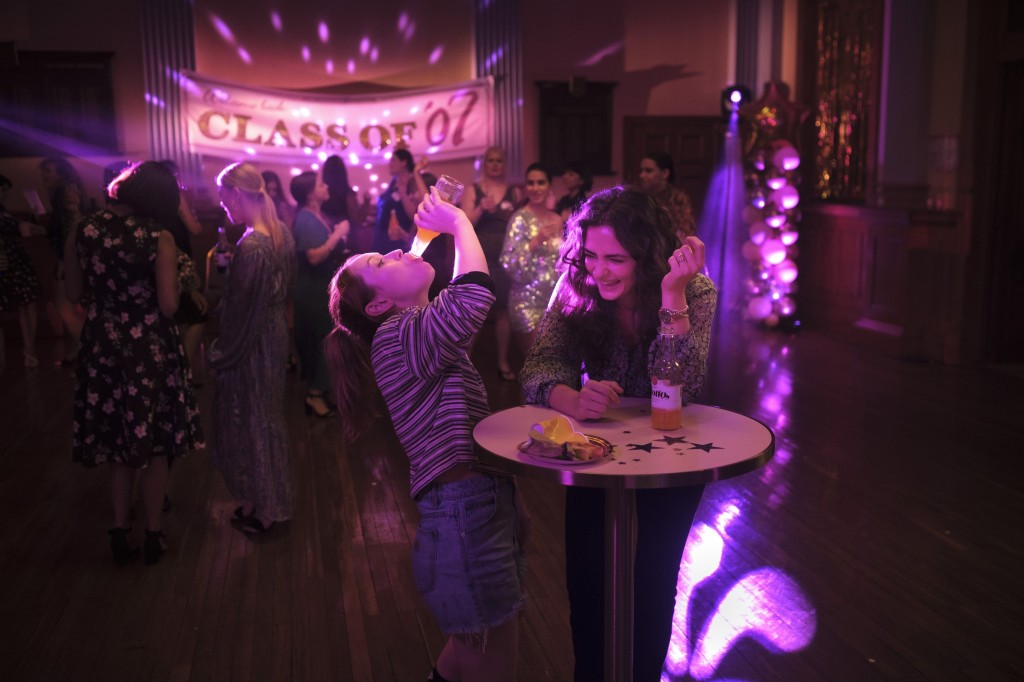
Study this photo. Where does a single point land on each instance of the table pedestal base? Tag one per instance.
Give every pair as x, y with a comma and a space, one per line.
620, 536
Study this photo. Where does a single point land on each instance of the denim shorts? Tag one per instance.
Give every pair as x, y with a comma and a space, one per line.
466, 561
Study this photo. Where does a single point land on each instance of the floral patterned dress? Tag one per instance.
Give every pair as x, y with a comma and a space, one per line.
133, 397
19, 283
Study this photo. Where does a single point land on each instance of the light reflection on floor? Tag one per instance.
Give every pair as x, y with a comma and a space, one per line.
764, 604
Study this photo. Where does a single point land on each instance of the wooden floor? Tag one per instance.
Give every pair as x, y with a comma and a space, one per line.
884, 541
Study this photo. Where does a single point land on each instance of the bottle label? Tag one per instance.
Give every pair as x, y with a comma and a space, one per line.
665, 395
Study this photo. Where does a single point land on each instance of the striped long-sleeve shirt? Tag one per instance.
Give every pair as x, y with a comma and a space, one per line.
433, 392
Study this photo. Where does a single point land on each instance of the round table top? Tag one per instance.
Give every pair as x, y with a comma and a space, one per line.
712, 444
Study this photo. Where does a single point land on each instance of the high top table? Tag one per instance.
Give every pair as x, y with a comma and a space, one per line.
713, 444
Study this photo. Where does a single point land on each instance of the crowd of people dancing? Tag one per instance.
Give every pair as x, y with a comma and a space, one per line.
570, 287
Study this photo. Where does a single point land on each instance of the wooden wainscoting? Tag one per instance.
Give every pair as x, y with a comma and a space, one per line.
852, 273
887, 279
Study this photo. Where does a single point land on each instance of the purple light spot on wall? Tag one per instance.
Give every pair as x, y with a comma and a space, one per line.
329, 66
305, 53
353, 159
222, 29
243, 54
323, 32
602, 54
275, 21
374, 54
351, 68
410, 31
435, 56
403, 21
364, 45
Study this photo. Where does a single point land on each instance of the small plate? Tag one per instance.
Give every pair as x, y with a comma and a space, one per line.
596, 440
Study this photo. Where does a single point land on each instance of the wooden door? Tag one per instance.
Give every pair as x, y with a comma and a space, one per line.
693, 142
1006, 282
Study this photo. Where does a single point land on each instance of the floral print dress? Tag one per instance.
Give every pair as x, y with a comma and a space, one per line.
133, 397
19, 283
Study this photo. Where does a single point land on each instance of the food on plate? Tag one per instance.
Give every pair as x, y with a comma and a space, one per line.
558, 438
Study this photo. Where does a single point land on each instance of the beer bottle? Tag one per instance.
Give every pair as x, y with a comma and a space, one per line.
666, 381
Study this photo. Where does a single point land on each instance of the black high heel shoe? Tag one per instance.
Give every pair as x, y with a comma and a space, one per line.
322, 410
122, 550
154, 547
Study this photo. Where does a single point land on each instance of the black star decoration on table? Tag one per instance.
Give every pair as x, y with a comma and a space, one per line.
706, 447
673, 440
646, 447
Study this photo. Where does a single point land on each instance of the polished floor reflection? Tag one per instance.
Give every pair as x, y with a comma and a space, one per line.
881, 542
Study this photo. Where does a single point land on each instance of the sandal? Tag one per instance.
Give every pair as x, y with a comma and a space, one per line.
154, 547
122, 550
240, 514
316, 404
254, 526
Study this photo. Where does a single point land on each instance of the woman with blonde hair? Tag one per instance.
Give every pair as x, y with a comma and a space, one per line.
490, 206
250, 439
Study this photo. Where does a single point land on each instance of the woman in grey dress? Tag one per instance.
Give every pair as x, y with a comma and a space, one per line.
250, 442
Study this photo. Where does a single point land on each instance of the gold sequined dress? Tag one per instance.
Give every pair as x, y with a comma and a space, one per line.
530, 262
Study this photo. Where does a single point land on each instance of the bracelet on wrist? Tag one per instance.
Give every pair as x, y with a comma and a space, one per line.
670, 315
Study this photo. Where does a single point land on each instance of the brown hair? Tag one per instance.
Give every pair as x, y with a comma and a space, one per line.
347, 350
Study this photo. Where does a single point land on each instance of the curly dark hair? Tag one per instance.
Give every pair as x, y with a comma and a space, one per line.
646, 232
347, 351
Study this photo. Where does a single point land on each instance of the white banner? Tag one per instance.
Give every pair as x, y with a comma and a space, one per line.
238, 121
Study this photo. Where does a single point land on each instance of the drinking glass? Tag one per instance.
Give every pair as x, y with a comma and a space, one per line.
450, 190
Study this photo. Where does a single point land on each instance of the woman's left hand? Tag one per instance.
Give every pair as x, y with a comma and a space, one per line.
434, 213
684, 264
200, 301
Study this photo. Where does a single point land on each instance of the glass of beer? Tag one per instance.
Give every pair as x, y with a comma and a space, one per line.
450, 190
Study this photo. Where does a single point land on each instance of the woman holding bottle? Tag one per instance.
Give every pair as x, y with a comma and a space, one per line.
626, 274
490, 206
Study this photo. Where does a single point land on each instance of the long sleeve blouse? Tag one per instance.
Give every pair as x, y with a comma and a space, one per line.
257, 288
433, 393
557, 358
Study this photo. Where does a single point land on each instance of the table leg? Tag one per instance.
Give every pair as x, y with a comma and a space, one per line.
620, 540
